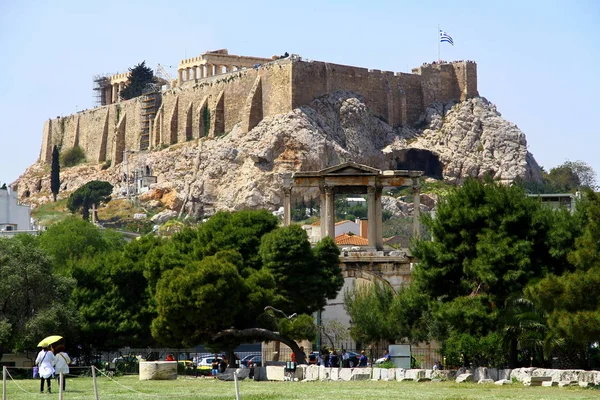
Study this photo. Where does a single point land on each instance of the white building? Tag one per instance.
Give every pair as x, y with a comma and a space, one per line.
14, 217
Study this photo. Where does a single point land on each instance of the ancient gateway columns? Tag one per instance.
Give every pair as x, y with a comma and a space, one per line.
352, 178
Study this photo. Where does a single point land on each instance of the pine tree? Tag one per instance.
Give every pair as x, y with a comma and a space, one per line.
55, 173
139, 79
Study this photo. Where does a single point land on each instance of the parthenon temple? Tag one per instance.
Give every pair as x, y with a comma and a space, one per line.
214, 63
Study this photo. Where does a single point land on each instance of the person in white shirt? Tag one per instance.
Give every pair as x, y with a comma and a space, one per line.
61, 363
45, 363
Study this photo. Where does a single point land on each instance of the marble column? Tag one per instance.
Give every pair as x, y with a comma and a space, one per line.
194, 73
114, 97
417, 210
323, 219
372, 217
287, 206
180, 78
108, 95
378, 219
330, 200
121, 87
209, 70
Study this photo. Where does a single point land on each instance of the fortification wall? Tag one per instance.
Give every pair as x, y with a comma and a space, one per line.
103, 133
446, 82
95, 131
395, 97
213, 106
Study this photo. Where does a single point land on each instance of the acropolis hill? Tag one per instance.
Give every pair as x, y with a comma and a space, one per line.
216, 90
223, 133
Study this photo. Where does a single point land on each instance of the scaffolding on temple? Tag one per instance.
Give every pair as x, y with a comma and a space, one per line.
150, 103
101, 85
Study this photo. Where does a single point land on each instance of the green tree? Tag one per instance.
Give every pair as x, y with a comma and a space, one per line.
55, 173
572, 299
368, 306
489, 242
140, 78
94, 192
201, 293
115, 306
33, 300
570, 176
305, 279
73, 238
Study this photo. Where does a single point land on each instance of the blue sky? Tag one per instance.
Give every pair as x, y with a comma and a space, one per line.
537, 60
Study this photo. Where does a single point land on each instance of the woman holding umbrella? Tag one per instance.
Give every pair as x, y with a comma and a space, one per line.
45, 363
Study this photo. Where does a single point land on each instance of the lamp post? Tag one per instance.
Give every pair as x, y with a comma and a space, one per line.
278, 343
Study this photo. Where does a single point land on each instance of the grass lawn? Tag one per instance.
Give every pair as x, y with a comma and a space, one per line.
129, 387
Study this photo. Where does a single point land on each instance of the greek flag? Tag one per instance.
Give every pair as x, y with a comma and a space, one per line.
444, 37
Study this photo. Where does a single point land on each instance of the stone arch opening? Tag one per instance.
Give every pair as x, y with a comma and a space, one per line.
419, 160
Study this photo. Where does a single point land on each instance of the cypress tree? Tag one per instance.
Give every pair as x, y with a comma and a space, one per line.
139, 79
55, 173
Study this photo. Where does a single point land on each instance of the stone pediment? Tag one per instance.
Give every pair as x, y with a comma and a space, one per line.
350, 168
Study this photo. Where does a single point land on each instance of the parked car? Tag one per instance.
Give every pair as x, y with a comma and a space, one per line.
353, 358
255, 361
205, 365
244, 361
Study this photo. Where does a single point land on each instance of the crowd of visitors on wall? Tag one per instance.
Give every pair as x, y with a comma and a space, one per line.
331, 358
445, 62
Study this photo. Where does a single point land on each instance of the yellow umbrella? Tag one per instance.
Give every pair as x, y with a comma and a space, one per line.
49, 340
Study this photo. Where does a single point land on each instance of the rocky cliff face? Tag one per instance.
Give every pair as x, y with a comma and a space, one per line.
238, 170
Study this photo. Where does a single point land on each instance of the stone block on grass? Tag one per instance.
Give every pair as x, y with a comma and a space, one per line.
158, 370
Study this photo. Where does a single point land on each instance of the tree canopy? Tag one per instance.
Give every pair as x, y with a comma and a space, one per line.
489, 241
572, 300
94, 192
567, 177
201, 293
55, 173
139, 79
33, 300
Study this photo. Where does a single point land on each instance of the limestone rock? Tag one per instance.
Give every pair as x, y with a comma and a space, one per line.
243, 170
502, 382
464, 378
164, 216
158, 370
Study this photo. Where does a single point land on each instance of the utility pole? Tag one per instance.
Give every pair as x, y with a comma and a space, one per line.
126, 165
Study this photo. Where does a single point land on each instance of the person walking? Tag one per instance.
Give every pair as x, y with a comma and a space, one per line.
362, 361
45, 363
61, 364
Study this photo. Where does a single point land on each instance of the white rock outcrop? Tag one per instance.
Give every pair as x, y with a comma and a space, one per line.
243, 170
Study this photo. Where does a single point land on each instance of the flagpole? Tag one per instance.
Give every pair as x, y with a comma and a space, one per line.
438, 33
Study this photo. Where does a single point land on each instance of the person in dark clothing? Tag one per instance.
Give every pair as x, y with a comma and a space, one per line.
334, 360
362, 361
223, 365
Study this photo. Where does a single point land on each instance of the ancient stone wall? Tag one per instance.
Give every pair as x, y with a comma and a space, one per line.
446, 82
212, 106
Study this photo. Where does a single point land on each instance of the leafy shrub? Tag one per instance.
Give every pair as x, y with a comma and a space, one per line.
387, 364
72, 156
